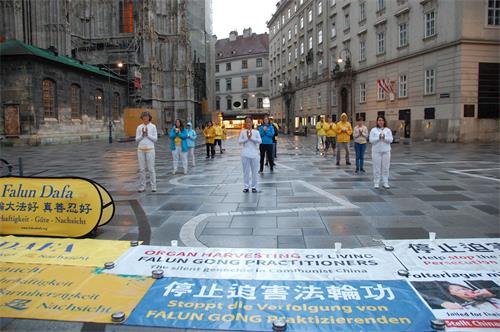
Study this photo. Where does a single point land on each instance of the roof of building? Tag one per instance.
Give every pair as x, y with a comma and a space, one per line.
242, 46
16, 47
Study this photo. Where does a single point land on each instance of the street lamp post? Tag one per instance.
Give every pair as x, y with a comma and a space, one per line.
110, 103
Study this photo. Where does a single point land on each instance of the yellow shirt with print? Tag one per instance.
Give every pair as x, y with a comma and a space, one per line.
209, 134
344, 136
330, 129
218, 132
320, 129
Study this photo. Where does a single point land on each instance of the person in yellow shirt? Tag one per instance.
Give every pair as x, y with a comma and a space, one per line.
219, 132
344, 132
209, 134
320, 132
331, 135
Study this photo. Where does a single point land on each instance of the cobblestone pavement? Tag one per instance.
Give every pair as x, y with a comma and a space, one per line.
308, 202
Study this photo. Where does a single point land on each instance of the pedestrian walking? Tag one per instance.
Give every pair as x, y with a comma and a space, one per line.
179, 145
146, 136
209, 133
360, 135
344, 131
320, 132
381, 139
250, 139
275, 138
266, 131
191, 141
331, 136
219, 132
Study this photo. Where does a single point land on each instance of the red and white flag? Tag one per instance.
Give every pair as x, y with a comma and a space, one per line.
385, 85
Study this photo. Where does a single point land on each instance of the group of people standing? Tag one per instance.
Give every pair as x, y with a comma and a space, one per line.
259, 146
338, 137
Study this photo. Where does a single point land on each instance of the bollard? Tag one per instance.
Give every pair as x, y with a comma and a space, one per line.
157, 274
109, 265
279, 325
134, 243
438, 324
118, 317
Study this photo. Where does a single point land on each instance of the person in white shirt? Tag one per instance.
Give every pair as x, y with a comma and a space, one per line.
146, 135
381, 139
250, 139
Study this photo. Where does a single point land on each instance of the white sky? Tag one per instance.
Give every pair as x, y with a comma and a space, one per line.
231, 15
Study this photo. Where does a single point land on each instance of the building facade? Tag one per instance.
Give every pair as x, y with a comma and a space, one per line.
432, 67
50, 98
242, 77
162, 45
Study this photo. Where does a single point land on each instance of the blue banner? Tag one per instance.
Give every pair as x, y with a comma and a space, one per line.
253, 305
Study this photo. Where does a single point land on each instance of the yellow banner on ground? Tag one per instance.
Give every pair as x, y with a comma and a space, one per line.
83, 252
70, 293
66, 207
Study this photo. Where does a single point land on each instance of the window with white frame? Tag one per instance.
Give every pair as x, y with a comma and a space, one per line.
334, 30
310, 16
320, 37
320, 65
296, 53
302, 23
381, 42
430, 81
295, 29
283, 40
332, 3
403, 34
380, 93
380, 5
289, 12
310, 43
334, 97
347, 22
301, 47
430, 24
362, 50
320, 8
258, 62
289, 34
494, 12
282, 20
362, 92
301, 2
289, 57
362, 11
403, 86
295, 8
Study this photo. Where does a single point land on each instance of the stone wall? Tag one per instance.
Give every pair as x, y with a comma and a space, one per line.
21, 83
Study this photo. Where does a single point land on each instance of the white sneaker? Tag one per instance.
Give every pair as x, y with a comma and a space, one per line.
386, 186
376, 186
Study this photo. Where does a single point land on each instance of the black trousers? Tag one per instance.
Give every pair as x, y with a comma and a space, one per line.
210, 149
266, 150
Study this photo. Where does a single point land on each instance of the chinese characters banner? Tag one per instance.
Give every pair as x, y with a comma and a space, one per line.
466, 300
449, 254
82, 252
70, 293
260, 264
305, 305
66, 207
